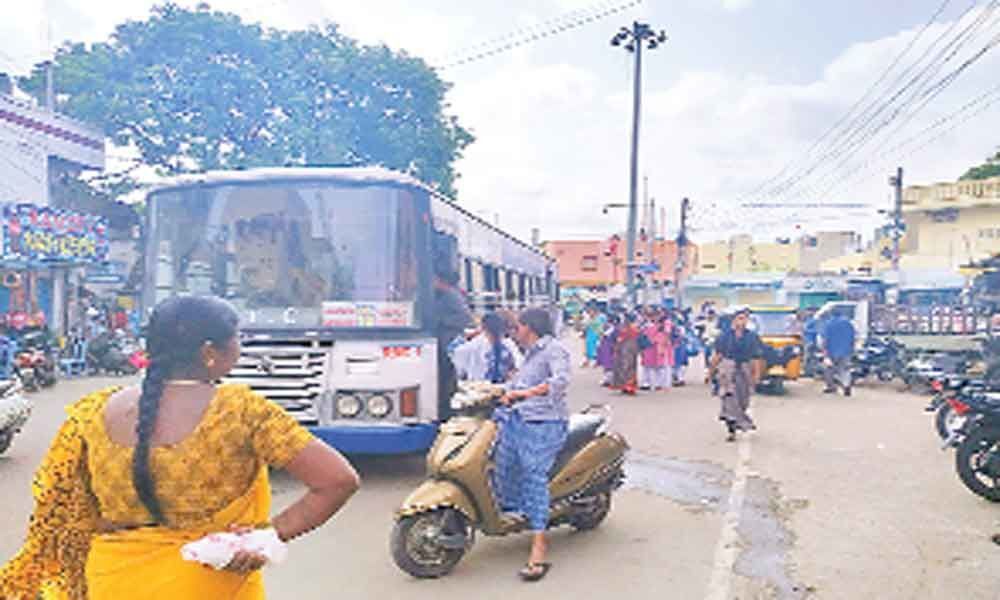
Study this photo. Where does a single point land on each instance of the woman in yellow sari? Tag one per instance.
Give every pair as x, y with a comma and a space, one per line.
134, 474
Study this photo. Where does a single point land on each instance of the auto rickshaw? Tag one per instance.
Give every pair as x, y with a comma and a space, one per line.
781, 333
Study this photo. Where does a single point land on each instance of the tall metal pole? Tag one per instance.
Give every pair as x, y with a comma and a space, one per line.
634, 169
681, 254
897, 218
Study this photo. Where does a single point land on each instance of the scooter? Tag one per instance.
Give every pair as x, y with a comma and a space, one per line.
15, 408
436, 524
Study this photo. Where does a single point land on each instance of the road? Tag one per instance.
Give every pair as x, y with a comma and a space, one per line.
832, 498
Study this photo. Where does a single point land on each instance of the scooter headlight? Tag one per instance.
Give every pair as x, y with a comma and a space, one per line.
379, 406
348, 405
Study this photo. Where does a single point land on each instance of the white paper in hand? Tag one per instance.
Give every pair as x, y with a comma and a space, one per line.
218, 549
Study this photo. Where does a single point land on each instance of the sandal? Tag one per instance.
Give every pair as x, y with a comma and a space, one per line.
534, 571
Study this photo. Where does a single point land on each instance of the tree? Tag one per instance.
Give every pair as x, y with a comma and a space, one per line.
198, 89
991, 168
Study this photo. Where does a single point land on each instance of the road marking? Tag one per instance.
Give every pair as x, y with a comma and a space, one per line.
728, 547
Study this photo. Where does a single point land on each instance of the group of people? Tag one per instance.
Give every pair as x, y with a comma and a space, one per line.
646, 349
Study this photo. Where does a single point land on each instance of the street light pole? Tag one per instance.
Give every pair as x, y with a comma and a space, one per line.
634, 38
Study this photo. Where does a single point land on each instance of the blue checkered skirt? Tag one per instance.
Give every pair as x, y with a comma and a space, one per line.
524, 456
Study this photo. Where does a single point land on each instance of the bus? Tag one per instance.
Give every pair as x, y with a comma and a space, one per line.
331, 271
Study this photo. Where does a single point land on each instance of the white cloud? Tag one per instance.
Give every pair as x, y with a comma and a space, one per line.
552, 119
736, 5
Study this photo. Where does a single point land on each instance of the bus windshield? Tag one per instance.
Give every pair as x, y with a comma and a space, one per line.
290, 255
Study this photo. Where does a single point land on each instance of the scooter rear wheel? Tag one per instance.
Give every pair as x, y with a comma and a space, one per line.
6, 437
416, 548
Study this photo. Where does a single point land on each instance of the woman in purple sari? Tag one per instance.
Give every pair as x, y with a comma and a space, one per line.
606, 348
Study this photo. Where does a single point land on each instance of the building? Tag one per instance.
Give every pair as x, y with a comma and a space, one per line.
950, 224
741, 254
596, 263
45, 248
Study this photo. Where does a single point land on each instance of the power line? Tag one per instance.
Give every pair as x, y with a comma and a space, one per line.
931, 93
540, 35
457, 54
928, 93
861, 129
922, 96
864, 97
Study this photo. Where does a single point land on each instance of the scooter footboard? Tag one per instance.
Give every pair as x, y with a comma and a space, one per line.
438, 494
599, 460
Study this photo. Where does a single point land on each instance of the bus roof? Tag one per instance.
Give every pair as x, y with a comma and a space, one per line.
357, 175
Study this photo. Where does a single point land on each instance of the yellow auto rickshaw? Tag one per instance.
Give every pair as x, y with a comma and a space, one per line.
781, 333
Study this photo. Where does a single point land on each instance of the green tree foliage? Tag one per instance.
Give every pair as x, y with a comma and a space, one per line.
991, 168
199, 89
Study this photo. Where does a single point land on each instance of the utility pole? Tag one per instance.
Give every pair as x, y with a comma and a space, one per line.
682, 241
634, 38
897, 217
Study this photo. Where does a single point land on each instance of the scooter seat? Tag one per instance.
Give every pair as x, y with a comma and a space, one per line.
581, 430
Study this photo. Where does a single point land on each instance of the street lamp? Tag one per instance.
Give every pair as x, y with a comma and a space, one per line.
633, 40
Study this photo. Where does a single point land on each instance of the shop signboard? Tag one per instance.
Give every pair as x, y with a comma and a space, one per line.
41, 234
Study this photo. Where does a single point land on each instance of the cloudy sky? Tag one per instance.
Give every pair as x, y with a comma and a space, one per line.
742, 90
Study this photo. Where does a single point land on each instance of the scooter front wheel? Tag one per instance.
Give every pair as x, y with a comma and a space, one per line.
6, 437
418, 547
593, 514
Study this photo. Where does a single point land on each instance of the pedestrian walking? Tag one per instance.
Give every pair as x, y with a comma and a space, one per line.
736, 364
489, 356
838, 348
134, 474
682, 355
606, 348
593, 330
655, 373
627, 356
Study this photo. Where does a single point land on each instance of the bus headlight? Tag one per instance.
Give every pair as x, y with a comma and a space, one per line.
348, 405
379, 406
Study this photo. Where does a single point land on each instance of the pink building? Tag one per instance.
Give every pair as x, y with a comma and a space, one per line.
588, 263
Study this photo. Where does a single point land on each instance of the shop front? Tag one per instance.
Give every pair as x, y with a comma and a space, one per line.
43, 250
813, 291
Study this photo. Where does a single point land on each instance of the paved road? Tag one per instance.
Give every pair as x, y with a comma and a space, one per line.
833, 498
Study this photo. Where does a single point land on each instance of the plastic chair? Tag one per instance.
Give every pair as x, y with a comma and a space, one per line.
8, 350
76, 363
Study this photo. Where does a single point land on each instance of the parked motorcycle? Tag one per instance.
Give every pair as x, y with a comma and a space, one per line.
977, 459
112, 353
950, 411
35, 361
15, 409
879, 358
436, 524
922, 370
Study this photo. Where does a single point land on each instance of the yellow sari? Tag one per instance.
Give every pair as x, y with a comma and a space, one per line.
67, 557
152, 556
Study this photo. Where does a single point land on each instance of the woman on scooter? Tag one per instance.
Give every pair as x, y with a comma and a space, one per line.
533, 424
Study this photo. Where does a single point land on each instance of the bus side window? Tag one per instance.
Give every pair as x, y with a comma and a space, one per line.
521, 291
469, 283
